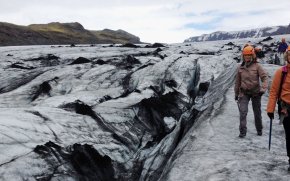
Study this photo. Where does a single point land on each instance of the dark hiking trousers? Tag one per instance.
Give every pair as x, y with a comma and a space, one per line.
256, 104
286, 124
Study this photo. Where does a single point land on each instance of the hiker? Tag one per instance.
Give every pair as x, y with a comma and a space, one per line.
259, 54
281, 50
247, 86
280, 90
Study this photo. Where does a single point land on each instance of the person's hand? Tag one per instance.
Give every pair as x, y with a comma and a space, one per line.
270, 115
261, 92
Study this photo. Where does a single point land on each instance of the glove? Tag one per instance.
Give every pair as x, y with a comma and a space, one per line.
271, 115
236, 98
261, 92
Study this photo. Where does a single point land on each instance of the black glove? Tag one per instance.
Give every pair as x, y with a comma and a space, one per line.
261, 92
271, 115
236, 98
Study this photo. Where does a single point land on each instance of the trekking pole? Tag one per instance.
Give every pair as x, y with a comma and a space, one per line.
237, 101
270, 133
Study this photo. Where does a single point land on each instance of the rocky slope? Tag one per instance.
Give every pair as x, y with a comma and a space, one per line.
60, 33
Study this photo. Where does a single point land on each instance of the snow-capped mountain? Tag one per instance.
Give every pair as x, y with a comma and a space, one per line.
253, 33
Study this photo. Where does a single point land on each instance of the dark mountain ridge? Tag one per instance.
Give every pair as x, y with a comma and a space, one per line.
60, 33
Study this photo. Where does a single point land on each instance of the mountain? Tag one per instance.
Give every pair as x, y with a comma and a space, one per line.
254, 33
118, 36
60, 33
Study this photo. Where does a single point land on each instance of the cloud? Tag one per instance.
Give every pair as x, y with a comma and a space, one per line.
169, 21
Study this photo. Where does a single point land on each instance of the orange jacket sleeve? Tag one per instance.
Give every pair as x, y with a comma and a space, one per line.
273, 96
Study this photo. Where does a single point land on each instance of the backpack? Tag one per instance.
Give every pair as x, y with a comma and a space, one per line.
283, 77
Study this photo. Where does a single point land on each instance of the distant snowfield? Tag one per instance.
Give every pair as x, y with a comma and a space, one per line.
123, 113
273, 29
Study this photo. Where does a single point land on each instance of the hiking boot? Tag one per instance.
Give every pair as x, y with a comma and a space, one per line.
242, 135
259, 133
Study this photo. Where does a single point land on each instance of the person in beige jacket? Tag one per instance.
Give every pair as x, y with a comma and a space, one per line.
247, 87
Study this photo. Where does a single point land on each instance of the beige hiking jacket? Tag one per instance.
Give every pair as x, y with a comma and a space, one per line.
248, 80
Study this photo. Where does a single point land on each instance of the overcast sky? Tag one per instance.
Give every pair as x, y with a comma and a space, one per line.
166, 21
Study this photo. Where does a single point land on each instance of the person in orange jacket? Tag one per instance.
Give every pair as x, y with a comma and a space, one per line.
247, 87
284, 99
